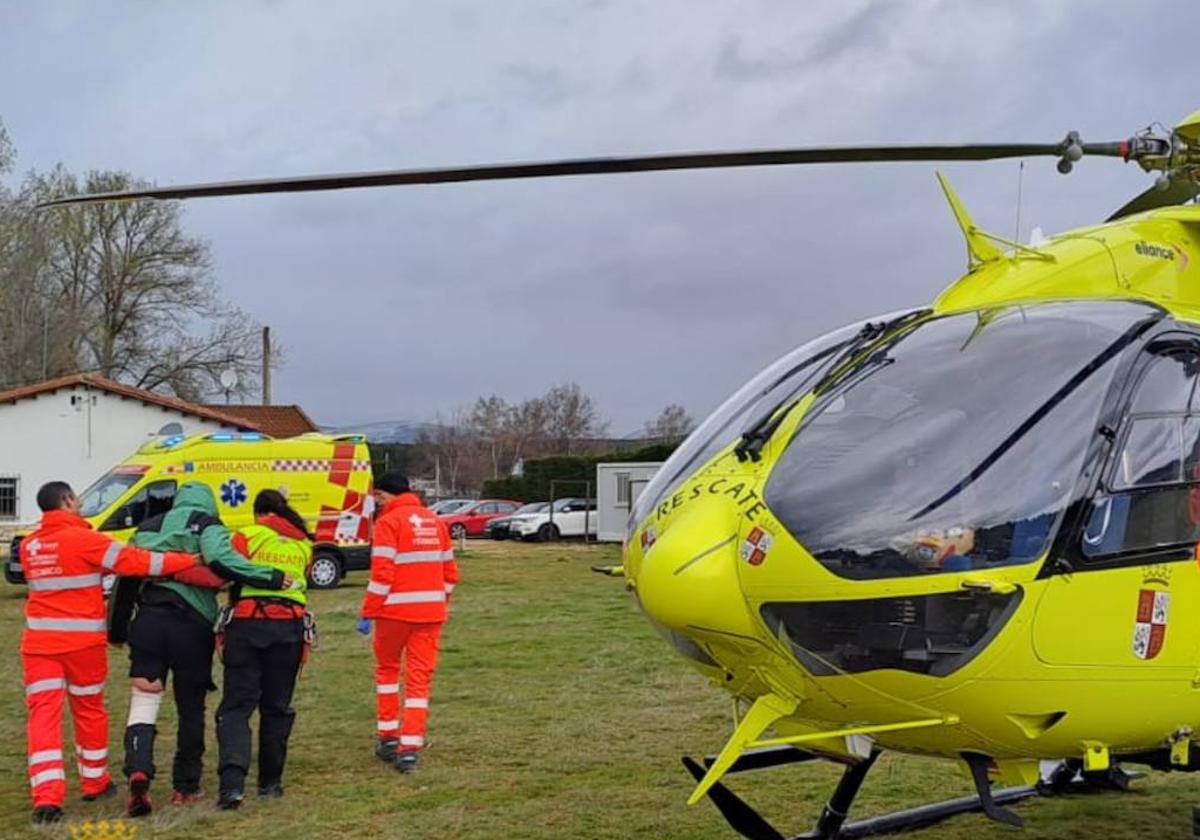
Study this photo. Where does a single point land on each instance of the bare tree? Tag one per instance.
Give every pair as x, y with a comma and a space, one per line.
672, 425
572, 417
490, 419
527, 425
7, 153
36, 336
135, 290
453, 444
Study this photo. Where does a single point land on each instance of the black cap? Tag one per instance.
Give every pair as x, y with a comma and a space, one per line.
392, 482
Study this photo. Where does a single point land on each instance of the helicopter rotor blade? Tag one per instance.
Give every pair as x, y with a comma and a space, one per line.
607, 165
1178, 191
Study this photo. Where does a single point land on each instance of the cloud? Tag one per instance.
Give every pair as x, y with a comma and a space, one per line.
859, 33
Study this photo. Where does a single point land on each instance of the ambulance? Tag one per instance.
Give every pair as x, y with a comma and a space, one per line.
327, 479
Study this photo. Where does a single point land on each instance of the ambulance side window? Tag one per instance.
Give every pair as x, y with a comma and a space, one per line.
153, 499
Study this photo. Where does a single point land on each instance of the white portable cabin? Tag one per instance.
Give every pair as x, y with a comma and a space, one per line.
617, 487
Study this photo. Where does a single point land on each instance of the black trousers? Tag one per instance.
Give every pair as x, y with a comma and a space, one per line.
262, 659
169, 639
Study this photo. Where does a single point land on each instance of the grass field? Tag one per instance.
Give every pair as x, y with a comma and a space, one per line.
557, 713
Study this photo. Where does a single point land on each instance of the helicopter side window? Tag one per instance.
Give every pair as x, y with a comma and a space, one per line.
1151, 500
1153, 453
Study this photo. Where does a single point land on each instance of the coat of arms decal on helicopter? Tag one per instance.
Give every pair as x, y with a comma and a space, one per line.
1150, 629
757, 544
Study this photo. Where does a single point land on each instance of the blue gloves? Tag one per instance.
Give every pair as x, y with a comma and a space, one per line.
363, 626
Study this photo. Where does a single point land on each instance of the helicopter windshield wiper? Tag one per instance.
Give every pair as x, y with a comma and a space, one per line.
840, 368
760, 430
755, 438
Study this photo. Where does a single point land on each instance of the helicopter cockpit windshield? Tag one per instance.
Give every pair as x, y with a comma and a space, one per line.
956, 449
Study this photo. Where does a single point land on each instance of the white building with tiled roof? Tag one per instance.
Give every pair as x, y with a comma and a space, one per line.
78, 427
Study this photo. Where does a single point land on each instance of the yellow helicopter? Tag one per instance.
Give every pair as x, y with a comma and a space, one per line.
966, 530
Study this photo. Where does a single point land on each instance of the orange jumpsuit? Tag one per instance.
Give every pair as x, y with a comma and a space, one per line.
413, 573
63, 645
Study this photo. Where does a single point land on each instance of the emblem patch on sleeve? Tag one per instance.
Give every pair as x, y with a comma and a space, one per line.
1150, 629
757, 544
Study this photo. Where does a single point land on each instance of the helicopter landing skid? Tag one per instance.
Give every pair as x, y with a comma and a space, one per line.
832, 824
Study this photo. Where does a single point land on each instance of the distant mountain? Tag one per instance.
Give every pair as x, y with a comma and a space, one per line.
385, 431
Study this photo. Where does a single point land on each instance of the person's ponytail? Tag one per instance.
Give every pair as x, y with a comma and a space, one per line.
274, 502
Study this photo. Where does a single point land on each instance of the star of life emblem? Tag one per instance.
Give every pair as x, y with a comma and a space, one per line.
1150, 629
756, 545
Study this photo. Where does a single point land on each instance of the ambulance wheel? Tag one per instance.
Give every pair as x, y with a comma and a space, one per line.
458, 531
548, 532
326, 571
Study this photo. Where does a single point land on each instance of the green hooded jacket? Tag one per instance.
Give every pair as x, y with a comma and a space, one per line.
192, 525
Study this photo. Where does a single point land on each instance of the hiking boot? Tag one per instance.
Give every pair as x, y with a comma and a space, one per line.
179, 798
386, 750
230, 800
271, 791
139, 795
108, 793
44, 814
406, 762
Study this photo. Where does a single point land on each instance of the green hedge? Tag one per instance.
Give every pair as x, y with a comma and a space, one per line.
535, 484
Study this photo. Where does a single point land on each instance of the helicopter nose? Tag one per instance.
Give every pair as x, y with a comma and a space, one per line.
688, 580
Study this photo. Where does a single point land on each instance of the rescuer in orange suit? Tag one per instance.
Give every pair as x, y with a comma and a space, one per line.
63, 645
412, 575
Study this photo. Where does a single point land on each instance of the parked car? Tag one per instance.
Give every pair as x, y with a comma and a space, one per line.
448, 505
569, 517
497, 529
470, 519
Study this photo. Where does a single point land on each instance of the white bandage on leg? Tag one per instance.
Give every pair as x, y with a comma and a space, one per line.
144, 706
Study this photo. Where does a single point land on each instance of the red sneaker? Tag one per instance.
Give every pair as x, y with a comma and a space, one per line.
139, 795
179, 798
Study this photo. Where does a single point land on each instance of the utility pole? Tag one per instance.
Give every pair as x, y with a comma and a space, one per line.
266, 366
45, 339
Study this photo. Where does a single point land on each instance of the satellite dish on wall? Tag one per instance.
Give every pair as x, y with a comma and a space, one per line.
171, 429
229, 379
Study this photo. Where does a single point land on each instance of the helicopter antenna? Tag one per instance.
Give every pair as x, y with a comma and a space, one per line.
1020, 179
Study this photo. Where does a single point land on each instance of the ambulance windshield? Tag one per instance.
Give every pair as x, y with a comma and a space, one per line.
106, 492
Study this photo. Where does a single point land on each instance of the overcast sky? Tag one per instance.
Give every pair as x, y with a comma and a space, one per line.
646, 289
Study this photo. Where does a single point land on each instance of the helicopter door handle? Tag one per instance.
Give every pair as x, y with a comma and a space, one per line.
1098, 539
994, 587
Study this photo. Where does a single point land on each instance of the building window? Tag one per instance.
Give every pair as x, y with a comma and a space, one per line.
623, 487
8, 496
